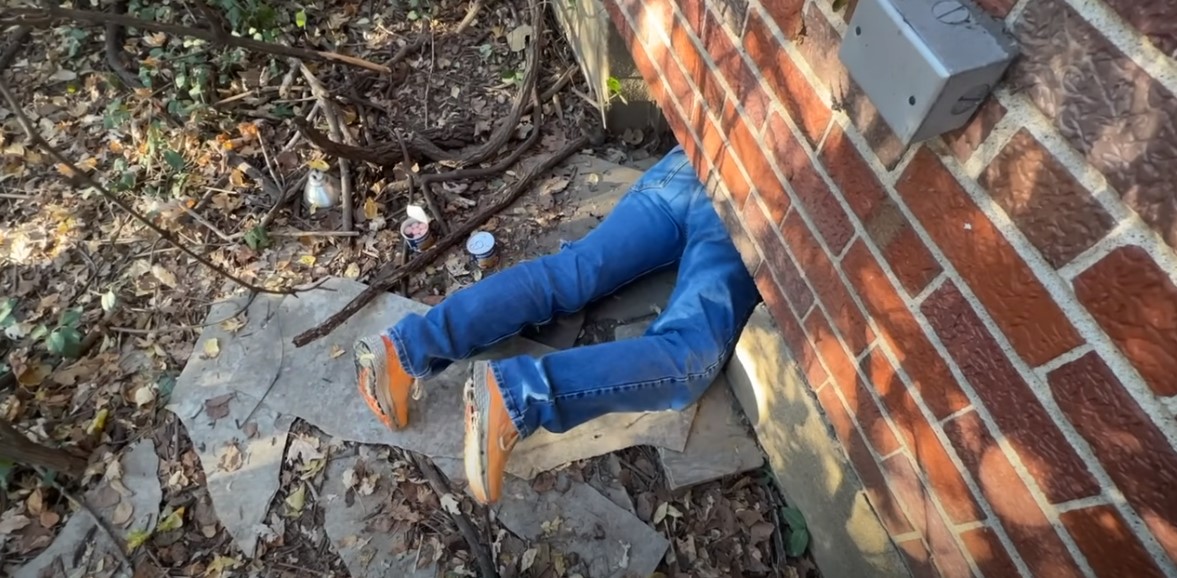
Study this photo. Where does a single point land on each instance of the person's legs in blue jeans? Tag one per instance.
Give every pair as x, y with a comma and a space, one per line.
643, 232
671, 365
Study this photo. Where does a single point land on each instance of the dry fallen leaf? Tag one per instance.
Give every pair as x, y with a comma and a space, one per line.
122, 514
49, 519
35, 503
211, 348
303, 448
218, 407
233, 324
229, 458
13, 524
336, 351
163, 275
318, 164
296, 501
371, 209
144, 395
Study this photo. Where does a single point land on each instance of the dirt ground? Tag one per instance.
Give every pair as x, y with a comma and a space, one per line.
100, 312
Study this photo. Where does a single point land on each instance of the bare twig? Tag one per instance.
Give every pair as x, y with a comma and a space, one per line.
80, 177
47, 14
426, 192
119, 547
114, 48
388, 278
503, 132
462, 174
288, 195
471, 14
16, 41
339, 134
315, 234
486, 567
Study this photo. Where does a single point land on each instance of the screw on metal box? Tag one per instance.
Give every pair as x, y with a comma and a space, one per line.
926, 66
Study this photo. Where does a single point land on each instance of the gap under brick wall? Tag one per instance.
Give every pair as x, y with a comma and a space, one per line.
988, 318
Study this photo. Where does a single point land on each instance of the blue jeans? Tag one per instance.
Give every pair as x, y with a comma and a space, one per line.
665, 218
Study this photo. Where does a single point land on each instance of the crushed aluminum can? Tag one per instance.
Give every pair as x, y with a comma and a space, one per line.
322, 190
482, 247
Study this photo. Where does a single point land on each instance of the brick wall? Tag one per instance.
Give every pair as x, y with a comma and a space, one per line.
989, 319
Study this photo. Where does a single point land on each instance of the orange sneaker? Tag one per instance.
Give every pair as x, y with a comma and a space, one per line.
383, 383
490, 435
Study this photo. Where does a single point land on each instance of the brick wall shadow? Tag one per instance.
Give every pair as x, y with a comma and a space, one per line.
784, 412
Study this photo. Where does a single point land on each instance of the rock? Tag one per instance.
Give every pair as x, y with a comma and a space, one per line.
719, 445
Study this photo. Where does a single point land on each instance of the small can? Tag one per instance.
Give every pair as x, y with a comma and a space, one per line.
417, 234
482, 246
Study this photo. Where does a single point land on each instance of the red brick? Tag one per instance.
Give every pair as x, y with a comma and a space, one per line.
902, 248
1113, 111
778, 260
1135, 302
731, 13
787, 15
730, 63
918, 560
682, 45
929, 373
737, 185
997, 8
1027, 527
946, 554
674, 77
1049, 457
791, 88
1000, 278
1108, 543
791, 331
693, 12
877, 369
1135, 453
859, 184
616, 14
826, 284
988, 553
910, 260
741, 237
821, 204
845, 376
876, 488
711, 141
1156, 20
820, 49
925, 447
766, 182
965, 140
1055, 212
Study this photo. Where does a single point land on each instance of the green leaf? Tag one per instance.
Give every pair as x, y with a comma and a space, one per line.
6, 468
39, 332
171, 522
797, 542
165, 385
413, 15
174, 159
614, 85
257, 239
300, 19
65, 342
6, 306
136, 538
794, 518
71, 317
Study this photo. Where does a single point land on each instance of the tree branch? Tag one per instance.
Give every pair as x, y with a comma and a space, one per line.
386, 279
44, 16
79, 177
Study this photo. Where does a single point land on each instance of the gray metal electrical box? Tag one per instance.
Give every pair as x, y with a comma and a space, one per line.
925, 64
